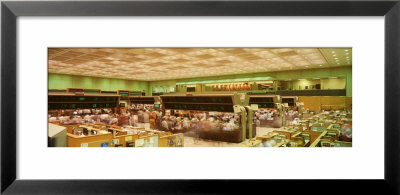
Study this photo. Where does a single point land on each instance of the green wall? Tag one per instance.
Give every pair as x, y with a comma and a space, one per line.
287, 75
167, 84
60, 81
343, 72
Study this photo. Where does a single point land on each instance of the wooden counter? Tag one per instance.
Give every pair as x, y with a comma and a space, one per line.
163, 141
295, 134
281, 143
266, 137
286, 133
315, 141
123, 139
70, 128
89, 140
253, 143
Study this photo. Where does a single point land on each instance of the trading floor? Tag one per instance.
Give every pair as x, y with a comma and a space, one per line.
200, 97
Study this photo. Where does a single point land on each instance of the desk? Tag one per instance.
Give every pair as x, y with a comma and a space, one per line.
316, 141
91, 140
281, 143
266, 137
253, 143
296, 134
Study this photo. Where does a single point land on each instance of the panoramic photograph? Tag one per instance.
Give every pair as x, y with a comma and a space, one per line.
200, 97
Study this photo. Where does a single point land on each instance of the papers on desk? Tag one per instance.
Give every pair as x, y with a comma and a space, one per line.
114, 141
139, 143
128, 138
84, 144
153, 141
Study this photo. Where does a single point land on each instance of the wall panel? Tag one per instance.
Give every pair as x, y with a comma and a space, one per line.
58, 81
316, 103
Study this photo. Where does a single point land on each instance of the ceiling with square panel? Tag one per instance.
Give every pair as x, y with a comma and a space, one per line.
154, 64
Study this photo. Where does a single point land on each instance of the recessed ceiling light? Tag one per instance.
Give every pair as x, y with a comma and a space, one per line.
346, 50
320, 65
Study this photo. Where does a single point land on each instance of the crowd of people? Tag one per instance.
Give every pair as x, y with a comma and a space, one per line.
200, 121
176, 122
128, 118
266, 116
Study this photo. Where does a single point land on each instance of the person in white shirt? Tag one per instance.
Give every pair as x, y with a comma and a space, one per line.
164, 124
146, 116
135, 119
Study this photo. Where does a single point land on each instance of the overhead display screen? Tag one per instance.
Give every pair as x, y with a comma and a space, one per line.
81, 106
135, 93
142, 100
214, 103
53, 98
197, 99
200, 107
73, 102
263, 102
290, 101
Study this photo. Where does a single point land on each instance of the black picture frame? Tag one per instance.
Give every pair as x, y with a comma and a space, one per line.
10, 10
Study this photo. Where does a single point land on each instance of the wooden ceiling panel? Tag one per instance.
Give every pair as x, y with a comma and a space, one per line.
76, 61
223, 61
205, 56
72, 54
235, 51
101, 53
249, 56
182, 50
180, 60
156, 64
60, 58
56, 51
155, 54
288, 53
152, 64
